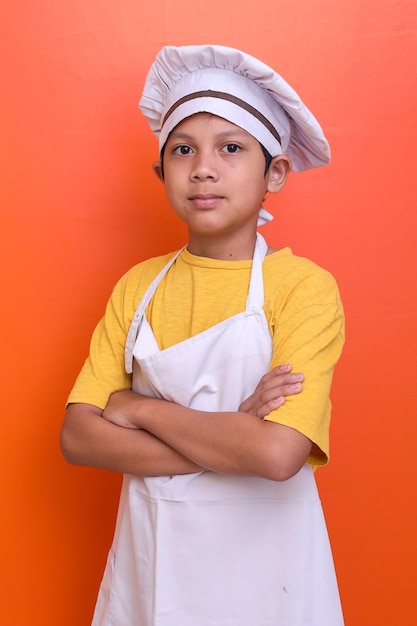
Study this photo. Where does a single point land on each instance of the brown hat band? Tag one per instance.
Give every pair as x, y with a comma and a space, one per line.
225, 96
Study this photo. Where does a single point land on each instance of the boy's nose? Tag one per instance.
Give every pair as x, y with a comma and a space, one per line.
204, 168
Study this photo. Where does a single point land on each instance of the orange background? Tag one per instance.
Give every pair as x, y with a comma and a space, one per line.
79, 205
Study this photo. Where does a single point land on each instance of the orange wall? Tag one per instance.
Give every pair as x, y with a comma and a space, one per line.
79, 205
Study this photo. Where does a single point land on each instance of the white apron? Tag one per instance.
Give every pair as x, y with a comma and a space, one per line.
207, 549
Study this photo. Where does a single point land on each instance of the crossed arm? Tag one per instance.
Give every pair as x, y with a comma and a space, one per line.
150, 437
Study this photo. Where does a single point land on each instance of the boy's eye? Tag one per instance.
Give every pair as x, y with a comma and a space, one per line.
182, 150
231, 148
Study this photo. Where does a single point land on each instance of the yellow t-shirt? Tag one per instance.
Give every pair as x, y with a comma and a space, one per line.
302, 306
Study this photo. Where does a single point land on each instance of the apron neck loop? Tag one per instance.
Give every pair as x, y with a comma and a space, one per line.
254, 301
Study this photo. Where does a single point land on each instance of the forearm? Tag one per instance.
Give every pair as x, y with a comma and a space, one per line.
88, 439
227, 442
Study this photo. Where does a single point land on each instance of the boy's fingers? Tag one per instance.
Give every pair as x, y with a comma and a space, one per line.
284, 367
280, 372
266, 408
274, 385
270, 395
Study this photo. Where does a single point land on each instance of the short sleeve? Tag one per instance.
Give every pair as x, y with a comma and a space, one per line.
308, 332
103, 372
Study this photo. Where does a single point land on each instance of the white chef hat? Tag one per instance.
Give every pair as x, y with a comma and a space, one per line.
239, 88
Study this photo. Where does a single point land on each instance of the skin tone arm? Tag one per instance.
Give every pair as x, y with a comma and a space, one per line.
88, 439
117, 443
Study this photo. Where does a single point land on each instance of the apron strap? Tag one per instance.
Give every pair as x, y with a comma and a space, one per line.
256, 297
140, 311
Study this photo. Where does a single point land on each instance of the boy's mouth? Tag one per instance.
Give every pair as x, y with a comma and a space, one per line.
205, 200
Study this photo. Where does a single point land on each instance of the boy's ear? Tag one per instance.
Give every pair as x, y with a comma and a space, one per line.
157, 170
278, 173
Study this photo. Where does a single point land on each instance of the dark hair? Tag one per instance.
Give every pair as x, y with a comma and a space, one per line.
161, 158
268, 159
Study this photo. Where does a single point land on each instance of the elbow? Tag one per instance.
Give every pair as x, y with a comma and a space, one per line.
76, 436
280, 471
71, 439
68, 449
283, 461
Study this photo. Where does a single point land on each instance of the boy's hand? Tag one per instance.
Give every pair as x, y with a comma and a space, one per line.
272, 390
123, 409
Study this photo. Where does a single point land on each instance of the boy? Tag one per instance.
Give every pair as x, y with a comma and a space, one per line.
219, 520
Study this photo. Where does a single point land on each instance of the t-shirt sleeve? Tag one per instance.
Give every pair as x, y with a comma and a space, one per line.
308, 332
103, 372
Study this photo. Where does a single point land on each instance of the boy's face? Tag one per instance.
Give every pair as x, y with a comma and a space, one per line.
214, 175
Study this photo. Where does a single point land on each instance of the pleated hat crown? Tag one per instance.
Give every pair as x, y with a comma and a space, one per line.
229, 83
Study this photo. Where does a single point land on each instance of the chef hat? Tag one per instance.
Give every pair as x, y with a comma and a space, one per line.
239, 88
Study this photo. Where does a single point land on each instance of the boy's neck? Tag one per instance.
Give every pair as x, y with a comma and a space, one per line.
227, 248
